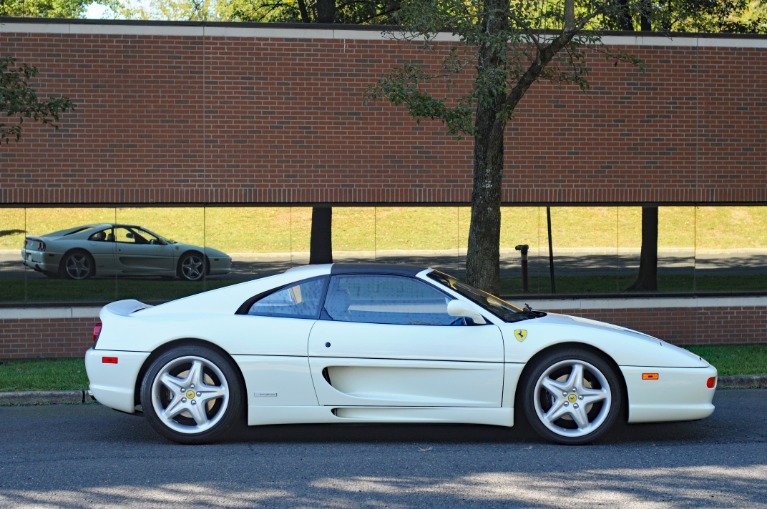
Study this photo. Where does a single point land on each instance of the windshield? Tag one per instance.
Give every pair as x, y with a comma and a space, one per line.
499, 307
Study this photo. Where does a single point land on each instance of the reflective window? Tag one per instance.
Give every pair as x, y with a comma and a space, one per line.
387, 300
134, 236
300, 300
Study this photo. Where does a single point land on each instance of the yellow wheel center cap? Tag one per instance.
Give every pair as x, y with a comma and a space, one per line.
572, 398
190, 394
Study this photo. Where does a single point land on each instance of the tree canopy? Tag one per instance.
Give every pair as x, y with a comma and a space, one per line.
19, 100
711, 16
44, 8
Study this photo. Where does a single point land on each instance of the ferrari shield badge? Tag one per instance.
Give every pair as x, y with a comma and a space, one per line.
520, 334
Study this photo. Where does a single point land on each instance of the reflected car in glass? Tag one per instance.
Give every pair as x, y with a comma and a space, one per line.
352, 343
119, 250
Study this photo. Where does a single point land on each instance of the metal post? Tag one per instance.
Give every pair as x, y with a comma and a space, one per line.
551, 252
523, 248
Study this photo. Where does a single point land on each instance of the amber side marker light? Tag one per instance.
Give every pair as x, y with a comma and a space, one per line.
711, 382
650, 376
109, 360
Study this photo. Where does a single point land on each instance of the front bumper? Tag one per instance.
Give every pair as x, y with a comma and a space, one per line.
678, 394
219, 265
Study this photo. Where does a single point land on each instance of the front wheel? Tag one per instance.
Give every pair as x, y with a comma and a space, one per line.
192, 395
191, 267
572, 396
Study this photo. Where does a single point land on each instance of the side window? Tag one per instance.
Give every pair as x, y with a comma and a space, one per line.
123, 235
299, 300
99, 236
145, 237
387, 300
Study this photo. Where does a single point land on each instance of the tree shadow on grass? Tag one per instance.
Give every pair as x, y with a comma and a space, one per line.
6, 233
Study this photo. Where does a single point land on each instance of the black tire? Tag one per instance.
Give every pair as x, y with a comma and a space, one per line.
77, 265
571, 396
192, 266
192, 395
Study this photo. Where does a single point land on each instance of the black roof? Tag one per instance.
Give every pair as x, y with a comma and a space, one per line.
376, 269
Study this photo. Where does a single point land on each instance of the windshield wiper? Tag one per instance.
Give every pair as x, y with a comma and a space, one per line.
527, 313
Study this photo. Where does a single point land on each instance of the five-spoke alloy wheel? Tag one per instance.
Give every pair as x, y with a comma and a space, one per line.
192, 267
192, 394
571, 396
77, 265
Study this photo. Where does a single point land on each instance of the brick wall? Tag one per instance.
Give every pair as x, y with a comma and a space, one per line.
171, 113
45, 338
690, 326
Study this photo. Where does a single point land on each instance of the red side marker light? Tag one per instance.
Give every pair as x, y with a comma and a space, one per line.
711, 382
109, 360
650, 376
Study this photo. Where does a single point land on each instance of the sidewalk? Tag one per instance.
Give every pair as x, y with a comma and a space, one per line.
29, 398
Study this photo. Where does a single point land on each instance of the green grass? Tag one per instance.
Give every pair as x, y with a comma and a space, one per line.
735, 360
43, 375
69, 374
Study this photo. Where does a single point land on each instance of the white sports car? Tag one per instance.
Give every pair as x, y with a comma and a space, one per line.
384, 344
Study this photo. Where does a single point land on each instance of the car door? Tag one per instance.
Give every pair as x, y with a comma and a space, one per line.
139, 252
388, 341
103, 251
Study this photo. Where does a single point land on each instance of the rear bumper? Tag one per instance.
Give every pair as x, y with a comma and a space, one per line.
41, 261
113, 384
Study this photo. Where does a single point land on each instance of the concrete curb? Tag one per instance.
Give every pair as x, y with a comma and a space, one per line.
743, 382
31, 398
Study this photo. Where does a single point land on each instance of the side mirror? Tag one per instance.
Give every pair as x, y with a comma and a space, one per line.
460, 308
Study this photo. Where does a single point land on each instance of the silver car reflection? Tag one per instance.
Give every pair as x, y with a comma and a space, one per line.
119, 250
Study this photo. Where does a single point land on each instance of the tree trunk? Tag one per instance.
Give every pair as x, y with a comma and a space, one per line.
321, 244
647, 280
483, 255
621, 16
326, 11
304, 11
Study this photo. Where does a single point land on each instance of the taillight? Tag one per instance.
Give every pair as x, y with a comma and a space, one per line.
35, 245
96, 332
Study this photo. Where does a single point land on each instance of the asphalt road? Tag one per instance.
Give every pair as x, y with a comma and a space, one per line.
84, 456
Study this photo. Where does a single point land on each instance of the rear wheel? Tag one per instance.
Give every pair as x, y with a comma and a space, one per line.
77, 265
572, 396
192, 395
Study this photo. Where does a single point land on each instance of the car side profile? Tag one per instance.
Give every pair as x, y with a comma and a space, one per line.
382, 344
92, 250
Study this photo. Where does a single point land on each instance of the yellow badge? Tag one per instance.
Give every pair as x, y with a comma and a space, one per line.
520, 334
